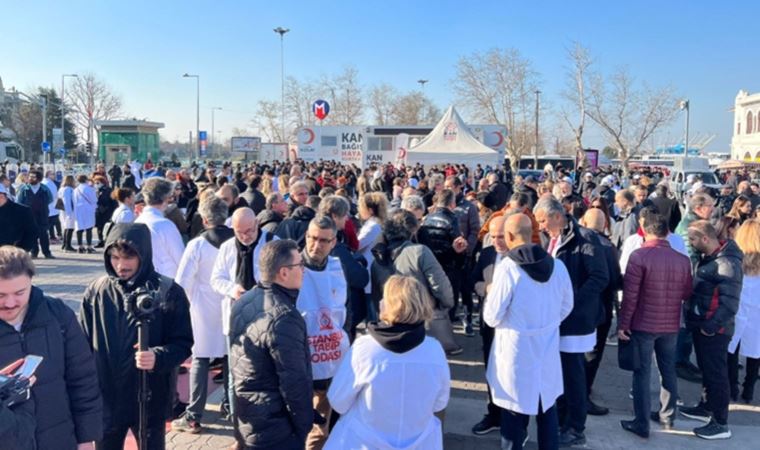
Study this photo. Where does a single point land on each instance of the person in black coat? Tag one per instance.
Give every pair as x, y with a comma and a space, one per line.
115, 174
295, 226
14, 223
579, 249
129, 180
111, 329
105, 208
270, 358
66, 397
253, 196
596, 220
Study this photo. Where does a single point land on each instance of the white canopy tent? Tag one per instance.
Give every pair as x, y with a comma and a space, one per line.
451, 142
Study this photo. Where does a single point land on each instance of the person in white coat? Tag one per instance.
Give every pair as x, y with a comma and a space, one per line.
322, 303
125, 212
85, 203
373, 210
68, 219
54, 220
165, 238
634, 241
236, 268
395, 380
746, 339
530, 296
194, 275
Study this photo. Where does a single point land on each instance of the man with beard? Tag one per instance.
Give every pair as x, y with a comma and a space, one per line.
38, 198
108, 318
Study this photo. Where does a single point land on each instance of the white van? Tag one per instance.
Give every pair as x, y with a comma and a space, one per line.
683, 167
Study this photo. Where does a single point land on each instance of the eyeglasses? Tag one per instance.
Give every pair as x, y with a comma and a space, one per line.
299, 264
320, 240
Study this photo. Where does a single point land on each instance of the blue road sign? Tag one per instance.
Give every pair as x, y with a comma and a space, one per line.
45, 146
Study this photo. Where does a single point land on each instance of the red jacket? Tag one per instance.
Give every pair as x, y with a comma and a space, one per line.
657, 281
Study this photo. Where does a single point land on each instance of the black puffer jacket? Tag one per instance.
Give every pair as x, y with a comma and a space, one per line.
17, 426
295, 226
584, 259
717, 288
271, 368
438, 231
112, 332
105, 207
66, 396
269, 220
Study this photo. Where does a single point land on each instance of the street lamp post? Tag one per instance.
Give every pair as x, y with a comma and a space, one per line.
685, 105
535, 146
213, 109
63, 107
422, 84
197, 111
281, 31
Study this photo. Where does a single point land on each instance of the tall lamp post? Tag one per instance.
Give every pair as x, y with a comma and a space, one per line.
213, 109
281, 31
685, 105
422, 84
197, 111
535, 146
63, 106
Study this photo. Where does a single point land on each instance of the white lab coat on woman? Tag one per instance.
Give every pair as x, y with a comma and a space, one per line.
369, 235
85, 202
747, 329
387, 400
524, 365
194, 275
166, 241
123, 214
68, 219
53, 188
224, 273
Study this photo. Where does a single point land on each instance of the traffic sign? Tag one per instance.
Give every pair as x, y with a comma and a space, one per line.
45, 146
62, 151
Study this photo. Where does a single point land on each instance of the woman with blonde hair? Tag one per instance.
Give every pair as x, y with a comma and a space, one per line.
746, 339
267, 186
394, 380
68, 219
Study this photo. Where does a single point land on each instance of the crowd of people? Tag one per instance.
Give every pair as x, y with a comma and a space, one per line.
329, 296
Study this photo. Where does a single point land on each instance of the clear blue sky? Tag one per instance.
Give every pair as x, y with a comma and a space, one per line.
706, 50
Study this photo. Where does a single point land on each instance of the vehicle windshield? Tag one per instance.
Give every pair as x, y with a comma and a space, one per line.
707, 177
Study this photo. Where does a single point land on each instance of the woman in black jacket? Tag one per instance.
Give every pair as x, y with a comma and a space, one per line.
105, 207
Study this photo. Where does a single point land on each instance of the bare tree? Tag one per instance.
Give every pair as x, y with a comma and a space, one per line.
347, 106
268, 120
576, 94
628, 114
91, 99
415, 108
498, 87
382, 99
299, 97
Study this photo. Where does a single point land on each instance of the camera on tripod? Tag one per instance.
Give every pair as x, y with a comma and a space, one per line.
142, 303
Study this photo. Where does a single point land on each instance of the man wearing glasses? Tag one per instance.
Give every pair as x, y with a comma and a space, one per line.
235, 269
322, 303
269, 355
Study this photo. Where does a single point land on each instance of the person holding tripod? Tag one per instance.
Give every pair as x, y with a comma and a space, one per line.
131, 295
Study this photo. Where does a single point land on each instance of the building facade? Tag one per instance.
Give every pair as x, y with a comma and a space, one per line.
745, 144
121, 141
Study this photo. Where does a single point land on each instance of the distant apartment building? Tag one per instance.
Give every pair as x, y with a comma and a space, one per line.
745, 144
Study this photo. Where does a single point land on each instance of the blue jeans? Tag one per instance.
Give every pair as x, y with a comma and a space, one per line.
514, 429
664, 348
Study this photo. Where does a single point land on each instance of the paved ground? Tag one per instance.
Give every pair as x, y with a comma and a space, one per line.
67, 277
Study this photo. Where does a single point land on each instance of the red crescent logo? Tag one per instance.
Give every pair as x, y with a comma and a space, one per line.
401, 153
501, 139
310, 132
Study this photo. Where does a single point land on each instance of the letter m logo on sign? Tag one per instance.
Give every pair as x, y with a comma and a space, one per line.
321, 109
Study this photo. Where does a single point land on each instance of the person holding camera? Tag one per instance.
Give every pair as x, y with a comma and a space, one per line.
65, 399
133, 292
